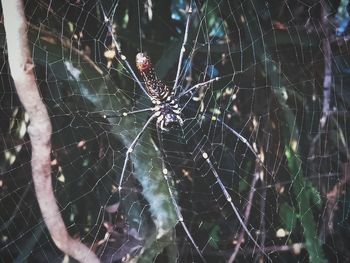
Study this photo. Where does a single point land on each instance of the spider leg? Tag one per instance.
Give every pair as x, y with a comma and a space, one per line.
241, 138
177, 209
126, 113
199, 85
130, 149
120, 54
245, 141
229, 200
183, 49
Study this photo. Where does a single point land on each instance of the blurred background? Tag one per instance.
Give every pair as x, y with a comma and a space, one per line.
273, 57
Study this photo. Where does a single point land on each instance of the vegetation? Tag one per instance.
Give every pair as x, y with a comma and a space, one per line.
275, 55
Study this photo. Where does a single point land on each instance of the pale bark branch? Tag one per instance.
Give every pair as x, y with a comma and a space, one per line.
327, 79
39, 130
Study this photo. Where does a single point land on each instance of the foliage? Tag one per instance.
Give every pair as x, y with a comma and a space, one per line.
276, 53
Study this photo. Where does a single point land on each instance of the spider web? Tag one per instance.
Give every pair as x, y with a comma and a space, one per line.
283, 76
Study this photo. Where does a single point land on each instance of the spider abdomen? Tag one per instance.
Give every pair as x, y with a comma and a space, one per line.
154, 86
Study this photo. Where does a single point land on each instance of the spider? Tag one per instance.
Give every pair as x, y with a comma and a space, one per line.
167, 112
166, 106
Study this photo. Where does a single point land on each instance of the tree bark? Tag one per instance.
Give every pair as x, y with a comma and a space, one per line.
39, 130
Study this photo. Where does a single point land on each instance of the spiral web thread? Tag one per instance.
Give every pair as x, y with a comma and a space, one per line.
271, 124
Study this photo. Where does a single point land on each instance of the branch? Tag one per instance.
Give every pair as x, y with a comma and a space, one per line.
294, 248
39, 130
327, 80
332, 199
247, 211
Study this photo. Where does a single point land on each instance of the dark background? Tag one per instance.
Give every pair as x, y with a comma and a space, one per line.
273, 54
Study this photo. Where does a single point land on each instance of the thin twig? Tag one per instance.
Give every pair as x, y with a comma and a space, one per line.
39, 130
327, 80
183, 48
332, 198
247, 211
294, 248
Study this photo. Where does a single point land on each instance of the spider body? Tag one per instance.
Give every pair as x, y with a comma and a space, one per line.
167, 113
167, 109
157, 90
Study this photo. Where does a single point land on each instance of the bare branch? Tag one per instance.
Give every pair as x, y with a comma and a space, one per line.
39, 130
183, 48
294, 248
332, 199
327, 80
247, 211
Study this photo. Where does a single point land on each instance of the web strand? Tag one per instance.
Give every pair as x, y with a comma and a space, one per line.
229, 200
120, 54
255, 132
177, 209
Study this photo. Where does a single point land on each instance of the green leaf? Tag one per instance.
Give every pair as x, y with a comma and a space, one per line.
288, 216
314, 196
299, 184
243, 185
82, 87
214, 237
302, 196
